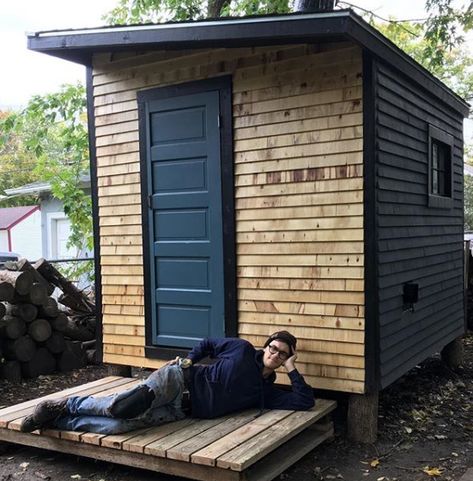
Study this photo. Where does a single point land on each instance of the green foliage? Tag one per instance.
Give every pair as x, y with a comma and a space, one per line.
157, 11
456, 68
52, 130
468, 202
445, 29
16, 163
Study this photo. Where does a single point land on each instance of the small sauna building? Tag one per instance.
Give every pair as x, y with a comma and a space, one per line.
291, 172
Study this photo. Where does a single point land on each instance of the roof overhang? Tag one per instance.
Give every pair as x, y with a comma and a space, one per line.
80, 45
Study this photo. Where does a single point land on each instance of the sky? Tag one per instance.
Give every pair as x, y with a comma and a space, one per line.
26, 73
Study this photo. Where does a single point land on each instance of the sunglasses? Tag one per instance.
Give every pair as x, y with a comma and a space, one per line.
282, 355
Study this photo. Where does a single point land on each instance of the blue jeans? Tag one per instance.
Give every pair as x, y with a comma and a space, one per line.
89, 413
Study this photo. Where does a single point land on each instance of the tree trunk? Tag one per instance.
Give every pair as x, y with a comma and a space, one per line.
363, 417
21, 349
3, 310
12, 327
59, 323
42, 362
21, 281
50, 273
27, 312
49, 308
7, 291
11, 371
214, 9
73, 357
23, 265
78, 333
56, 343
40, 330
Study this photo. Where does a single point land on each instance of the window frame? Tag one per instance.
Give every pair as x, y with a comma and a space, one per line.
440, 137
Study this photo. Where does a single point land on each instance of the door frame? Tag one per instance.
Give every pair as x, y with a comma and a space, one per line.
223, 85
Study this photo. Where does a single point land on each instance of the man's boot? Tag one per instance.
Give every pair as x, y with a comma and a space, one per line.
44, 413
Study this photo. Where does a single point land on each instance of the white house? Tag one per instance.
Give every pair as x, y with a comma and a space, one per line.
20, 231
55, 225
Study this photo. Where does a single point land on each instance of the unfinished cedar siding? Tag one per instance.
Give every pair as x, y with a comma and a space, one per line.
298, 153
415, 242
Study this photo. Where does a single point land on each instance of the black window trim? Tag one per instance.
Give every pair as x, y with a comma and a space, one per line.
439, 201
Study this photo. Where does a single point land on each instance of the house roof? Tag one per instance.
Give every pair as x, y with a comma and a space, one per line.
79, 45
40, 187
9, 216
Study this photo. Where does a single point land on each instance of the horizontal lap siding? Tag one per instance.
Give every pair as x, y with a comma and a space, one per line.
298, 197
415, 242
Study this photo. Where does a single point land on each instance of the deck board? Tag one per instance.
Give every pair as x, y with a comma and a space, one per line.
238, 447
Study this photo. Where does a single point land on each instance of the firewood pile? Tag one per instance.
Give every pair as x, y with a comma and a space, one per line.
39, 335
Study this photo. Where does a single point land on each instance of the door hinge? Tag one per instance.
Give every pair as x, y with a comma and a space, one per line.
150, 201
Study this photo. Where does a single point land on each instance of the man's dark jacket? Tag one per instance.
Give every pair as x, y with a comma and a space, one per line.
234, 381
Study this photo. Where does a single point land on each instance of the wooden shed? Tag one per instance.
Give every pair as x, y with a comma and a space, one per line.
280, 172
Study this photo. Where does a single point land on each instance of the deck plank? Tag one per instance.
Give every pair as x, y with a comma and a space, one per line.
184, 450
160, 447
138, 443
13, 420
271, 466
208, 455
260, 445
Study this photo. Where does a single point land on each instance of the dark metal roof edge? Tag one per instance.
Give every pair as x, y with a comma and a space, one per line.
79, 45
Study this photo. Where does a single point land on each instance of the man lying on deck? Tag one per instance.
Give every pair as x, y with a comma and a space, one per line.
241, 377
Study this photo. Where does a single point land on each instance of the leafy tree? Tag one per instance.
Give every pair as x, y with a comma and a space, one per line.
456, 69
52, 129
445, 29
144, 11
16, 165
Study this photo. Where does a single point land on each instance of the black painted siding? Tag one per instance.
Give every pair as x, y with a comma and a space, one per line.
414, 242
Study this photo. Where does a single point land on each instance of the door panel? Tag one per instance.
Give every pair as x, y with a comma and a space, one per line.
185, 219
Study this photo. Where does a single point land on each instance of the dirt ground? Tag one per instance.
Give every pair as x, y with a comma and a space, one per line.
425, 432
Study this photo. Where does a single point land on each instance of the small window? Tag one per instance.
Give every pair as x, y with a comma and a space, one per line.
440, 168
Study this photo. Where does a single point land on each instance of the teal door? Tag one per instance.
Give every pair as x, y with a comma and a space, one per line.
186, 274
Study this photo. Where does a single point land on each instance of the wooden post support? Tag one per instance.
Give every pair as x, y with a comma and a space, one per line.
452, 353
118, 370
363, 417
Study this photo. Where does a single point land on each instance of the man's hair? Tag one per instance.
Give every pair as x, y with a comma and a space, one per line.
283, 336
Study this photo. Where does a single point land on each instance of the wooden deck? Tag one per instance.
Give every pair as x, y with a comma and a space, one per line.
242, 446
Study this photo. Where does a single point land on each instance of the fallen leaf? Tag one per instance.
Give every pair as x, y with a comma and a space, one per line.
432, 471
374, 463
24, 465
455, 455
76, 476
440, 436
382, 478
408, 430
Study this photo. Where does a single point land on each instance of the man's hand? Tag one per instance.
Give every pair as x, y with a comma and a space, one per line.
172, 362
289, 364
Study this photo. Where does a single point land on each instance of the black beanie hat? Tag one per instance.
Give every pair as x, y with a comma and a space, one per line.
283, 336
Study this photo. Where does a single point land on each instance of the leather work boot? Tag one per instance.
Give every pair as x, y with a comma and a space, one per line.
44, 413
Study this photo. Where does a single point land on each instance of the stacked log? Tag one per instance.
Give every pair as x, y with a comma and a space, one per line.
39, 334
